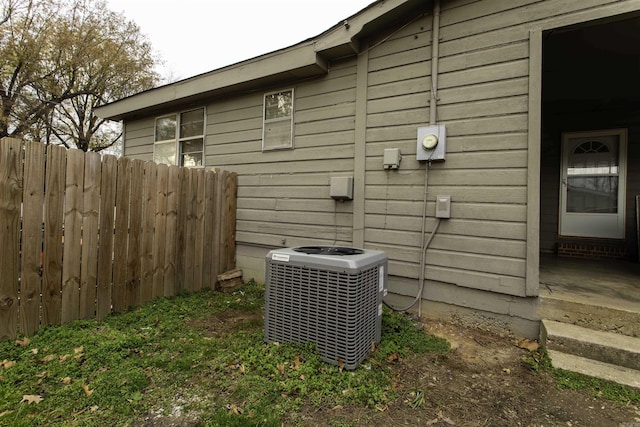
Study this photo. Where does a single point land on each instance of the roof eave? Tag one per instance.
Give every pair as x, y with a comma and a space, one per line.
297, 62
306, 59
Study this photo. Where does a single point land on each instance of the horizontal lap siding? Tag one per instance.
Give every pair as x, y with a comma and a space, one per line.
283, 196
139, 139
483, 100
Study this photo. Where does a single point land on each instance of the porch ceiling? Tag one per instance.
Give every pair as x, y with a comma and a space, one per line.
597, 64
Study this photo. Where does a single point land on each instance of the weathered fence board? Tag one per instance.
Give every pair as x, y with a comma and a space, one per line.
147, 230
53, 218
228, 209
123, 188
190, 233
105, 236
217, 230
72, 236
33, 200
160, 219
181, 227
85, 235
198, 256
89, 250
171, 230
10, 200
135, 225
209, 268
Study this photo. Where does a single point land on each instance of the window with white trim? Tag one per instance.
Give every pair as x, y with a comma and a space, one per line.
179, 139
277, 129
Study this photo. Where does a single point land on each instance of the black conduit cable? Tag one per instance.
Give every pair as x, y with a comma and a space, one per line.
419, 295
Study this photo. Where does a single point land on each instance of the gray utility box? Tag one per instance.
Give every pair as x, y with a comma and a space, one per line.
328, 295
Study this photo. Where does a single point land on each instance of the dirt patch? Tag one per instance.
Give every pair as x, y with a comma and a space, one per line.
227, 322
482, 382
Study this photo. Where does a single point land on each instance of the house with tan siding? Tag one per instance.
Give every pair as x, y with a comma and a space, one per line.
535, 108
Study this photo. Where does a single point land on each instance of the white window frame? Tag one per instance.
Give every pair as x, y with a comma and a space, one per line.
178, 140
266, 122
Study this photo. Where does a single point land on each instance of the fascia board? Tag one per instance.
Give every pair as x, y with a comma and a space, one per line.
347, 33
284, 61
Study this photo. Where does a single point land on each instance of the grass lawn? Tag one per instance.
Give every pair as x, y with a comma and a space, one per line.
198, 356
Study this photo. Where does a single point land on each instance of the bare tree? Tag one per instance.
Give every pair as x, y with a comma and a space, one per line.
71, 56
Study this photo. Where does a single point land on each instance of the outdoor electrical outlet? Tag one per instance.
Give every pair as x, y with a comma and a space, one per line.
443, 207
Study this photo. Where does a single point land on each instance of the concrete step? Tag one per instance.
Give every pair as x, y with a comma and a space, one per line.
607, 347
596, 317
594, 368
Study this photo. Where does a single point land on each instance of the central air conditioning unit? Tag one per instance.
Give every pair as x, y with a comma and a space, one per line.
331, 296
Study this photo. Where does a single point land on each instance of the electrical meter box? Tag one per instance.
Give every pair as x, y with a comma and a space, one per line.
431, 143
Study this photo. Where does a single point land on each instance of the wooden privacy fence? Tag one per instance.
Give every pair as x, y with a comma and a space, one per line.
83, 235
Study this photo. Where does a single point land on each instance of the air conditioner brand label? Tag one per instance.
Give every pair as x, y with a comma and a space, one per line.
280, 257
381, 278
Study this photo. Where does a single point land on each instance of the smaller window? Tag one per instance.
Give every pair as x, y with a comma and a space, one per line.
191, 141
164, 150
277, 130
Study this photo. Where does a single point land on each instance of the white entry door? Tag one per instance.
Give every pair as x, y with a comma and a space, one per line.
592, 186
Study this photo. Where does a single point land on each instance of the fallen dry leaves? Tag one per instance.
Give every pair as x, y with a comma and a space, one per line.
393, 357
49, 358
441, 418
235, 409
23, 342
6, 364
86, 390
296, 363
527, 344
31, 398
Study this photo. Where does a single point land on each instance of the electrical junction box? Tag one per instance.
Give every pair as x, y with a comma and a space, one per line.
391, 159
341, 188
443, 207
431, 143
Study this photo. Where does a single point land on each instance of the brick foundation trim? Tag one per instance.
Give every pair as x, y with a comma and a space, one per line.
591, 251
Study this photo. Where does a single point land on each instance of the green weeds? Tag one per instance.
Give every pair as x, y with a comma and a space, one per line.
539, 361
597, 387
192, 357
